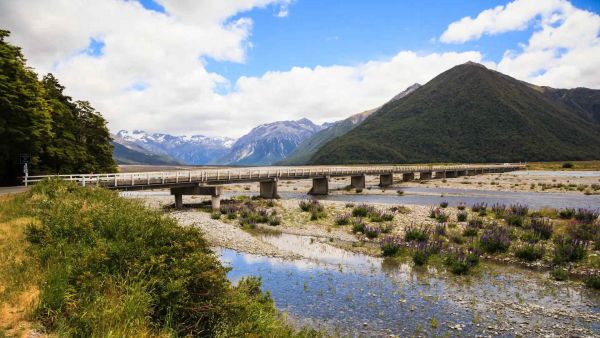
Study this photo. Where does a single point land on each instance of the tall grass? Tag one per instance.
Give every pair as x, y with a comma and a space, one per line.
111, 267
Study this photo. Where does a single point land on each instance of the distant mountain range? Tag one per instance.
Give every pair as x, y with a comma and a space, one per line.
472, 114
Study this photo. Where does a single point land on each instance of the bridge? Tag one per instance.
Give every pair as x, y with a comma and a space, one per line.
210, 181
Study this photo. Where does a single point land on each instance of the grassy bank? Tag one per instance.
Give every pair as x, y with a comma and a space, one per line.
567, 165
84, 262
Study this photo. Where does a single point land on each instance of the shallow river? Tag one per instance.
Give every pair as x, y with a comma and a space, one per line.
356, 295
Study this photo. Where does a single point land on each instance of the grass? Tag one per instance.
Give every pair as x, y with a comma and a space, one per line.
107, 266
576, 165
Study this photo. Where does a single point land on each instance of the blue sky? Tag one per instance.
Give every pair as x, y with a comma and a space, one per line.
342, 32
221, 67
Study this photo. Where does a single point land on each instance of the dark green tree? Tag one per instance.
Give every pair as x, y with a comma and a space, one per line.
25, 122
96, 138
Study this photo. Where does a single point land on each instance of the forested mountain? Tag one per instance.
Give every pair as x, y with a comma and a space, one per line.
60, 135
470, 114
583, 101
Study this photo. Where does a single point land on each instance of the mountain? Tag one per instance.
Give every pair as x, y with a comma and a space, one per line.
124, 154
309, 147
269, 143
468, 114
583, 101
196, 149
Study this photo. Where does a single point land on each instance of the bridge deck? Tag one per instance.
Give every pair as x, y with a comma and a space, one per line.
163, 179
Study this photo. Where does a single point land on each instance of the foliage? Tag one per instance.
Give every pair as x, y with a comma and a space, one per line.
444, 204
372, 232
586, 215
111, 267
358, 225
495, 239
362, 210
60, 135
343, 219
566, 213
593, 282
460, 262
419, 233
542, 227
568, 250
559, 274
390, 245
461, 216
530, 252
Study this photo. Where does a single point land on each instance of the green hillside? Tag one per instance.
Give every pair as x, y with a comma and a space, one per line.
468, 114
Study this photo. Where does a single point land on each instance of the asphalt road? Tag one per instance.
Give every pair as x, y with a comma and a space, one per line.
12, 190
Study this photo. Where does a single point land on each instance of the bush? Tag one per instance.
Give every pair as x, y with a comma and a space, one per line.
215, 215
470, 231
593, 282
113, 267
440, 229
568, 165
559, 274
274, 220
461, 216
530, 237
362, 210
461, 263
358, 225
584, 231
444, 204
416, 233
390, 245
514, 220
566, 213
586, 215
343, 219
495, 239
477, 207
519, 209
530, 252
542, 227
371, 232
461, 206
568, 250
442, 217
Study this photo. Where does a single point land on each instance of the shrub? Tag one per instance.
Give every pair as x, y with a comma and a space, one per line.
568, 165
362, 210
482, 212
461, 206
343, 219
416, 233
371, 232
440, 229
584, 231
444, 204
433, 212
499, 210
542, 227
274, 220
530, 252
400, 192
568, 250
593, 282
495, 239
461, 263
519, 209
586, 215
349, 205
530, 237
475, 223
422, 251
358, 225
304, 205
231, 215
514, 220
386, 228
477, 207
559, 274
461, 216
470, 231
390, 245
400, 209
215, 215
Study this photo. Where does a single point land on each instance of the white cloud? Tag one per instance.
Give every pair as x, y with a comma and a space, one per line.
514, 16
151, 73
562, 52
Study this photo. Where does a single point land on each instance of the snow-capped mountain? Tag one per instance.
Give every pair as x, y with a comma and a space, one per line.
196, 149
269, 143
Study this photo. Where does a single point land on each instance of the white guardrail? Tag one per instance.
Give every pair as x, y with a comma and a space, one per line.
123, 180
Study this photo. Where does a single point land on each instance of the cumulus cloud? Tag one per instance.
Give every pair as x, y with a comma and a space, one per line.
146, 70
562, 52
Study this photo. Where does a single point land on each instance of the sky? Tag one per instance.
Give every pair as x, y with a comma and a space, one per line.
220, 68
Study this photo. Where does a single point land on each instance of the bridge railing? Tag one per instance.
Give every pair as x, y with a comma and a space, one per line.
117, 180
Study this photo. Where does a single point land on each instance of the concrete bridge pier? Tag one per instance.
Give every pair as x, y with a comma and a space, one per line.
408, 177
385, 180
357, 182
213, 191
268, 189
461, 173
425, 175
451, 174
440, 174
320, 186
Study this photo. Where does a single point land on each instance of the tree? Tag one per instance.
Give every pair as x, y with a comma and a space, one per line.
25, 122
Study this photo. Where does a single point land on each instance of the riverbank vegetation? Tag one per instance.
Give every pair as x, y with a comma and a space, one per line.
566, 165
85, 262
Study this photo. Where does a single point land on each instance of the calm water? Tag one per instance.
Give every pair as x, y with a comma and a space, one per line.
356, 295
